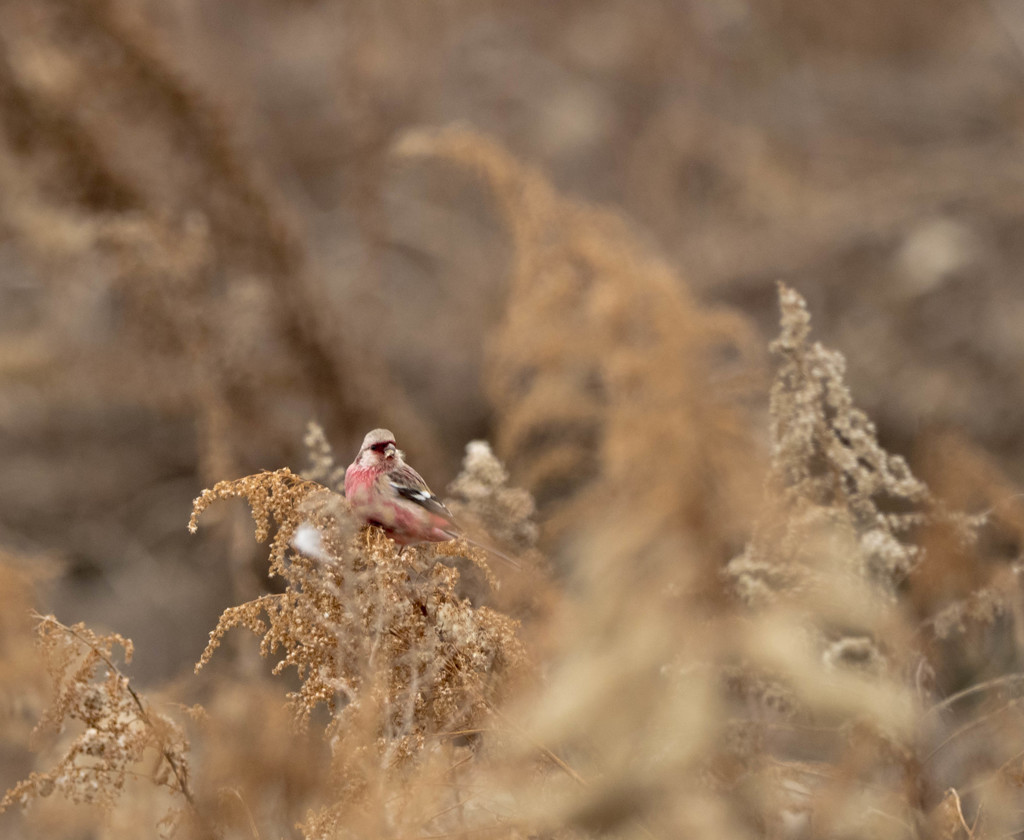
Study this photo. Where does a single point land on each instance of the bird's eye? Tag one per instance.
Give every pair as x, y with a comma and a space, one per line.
380, 447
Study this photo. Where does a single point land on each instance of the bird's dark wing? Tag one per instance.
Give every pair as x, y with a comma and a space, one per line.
425, 499
409, 485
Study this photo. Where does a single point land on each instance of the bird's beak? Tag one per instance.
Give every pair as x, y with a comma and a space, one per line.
390, 450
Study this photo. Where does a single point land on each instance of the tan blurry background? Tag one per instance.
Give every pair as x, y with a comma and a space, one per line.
206, 238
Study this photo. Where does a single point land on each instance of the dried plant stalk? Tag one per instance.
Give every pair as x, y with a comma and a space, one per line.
120, 726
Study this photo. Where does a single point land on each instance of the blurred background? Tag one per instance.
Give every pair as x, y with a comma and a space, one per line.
207, 239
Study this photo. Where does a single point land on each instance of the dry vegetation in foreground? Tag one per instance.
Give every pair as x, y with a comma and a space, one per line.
802, 701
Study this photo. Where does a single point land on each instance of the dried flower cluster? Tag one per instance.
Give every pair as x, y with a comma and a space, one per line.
120, 728
829, 478
482, 491
363, 624
322, 467
827, 570
380, 637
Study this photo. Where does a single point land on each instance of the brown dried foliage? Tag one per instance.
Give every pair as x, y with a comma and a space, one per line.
406, 668
380, 637
829, 474
361, 623
803, 708
845, 524
120, 728
857, 673
603, 362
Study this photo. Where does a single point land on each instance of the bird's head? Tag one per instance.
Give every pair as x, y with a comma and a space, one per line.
379, 448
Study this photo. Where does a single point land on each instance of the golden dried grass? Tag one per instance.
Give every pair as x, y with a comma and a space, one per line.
661, 699
605, 374
804, 711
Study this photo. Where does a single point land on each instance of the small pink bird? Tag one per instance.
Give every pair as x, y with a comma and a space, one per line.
386, 491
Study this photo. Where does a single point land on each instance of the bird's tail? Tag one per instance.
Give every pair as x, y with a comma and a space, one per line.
490, 549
